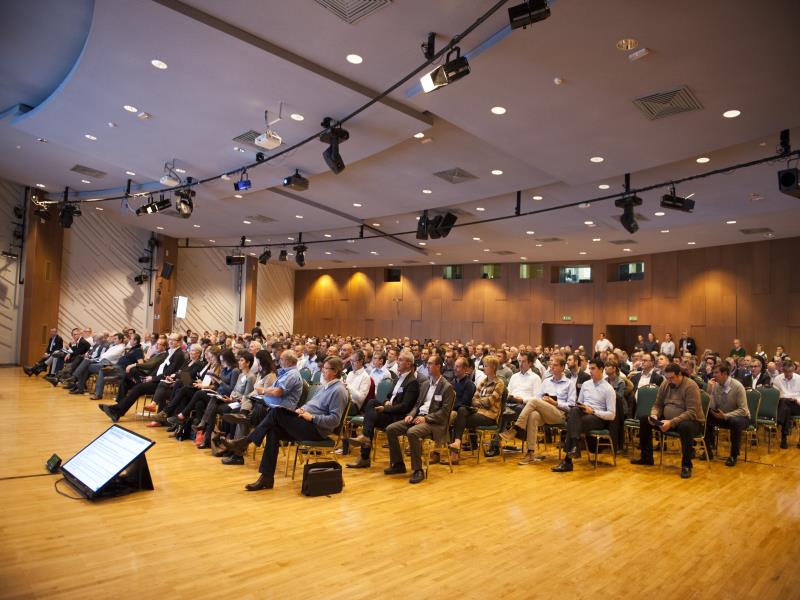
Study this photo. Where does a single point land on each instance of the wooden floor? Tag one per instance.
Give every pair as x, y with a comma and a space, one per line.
487, 530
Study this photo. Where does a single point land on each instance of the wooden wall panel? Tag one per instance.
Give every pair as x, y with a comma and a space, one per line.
11, 290
717, 294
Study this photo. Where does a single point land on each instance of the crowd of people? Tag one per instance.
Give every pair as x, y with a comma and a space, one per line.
225, 391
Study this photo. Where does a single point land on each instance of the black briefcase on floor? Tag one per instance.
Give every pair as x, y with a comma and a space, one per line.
322, 479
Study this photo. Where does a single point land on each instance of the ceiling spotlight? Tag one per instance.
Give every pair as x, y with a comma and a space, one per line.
283, 255
130, 108
789, 182
596, 159
300, 255
158, 64
296, 181
184, 203
676, 202
90, 137
450, 71
731, 114
497, 172
603, 186
419, 135
354, 59
528, 13
244, 183
141, 278
703, 160
265, 256
153, 207
67, 213
498, 110
333, 136
628, 218
296, 117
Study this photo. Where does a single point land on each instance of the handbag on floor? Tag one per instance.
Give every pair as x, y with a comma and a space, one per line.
322, 478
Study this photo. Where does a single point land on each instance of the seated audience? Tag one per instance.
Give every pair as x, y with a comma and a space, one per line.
54, 344
788, 386
727, 410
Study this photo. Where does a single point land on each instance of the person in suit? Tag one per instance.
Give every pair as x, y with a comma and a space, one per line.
758, 376
71, 355
136, 372
54, 344
430, 417
687, 344
171, 364
647, 375
382, 414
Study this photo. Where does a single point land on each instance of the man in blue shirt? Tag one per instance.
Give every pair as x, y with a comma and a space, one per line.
316, 420
289, 384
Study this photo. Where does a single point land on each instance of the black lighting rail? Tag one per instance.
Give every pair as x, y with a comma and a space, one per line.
517, 212
453, 42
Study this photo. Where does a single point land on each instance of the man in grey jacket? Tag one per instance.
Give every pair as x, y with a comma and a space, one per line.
727, 410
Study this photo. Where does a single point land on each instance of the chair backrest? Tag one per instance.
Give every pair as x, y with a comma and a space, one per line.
315, 378
305, 373
705, 401
312, 389
385, 388
503, 402
342, 421
645, 399
770, 397
753, 404
303, 395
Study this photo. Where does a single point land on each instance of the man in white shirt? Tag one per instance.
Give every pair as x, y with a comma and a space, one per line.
596, 408
553, 399
603, 343
106, 358
379, 371
358, 383
788, 386
668, 346
524, 385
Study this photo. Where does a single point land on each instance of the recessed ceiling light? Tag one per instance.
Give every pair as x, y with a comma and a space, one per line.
480, 209
498, 110
422, 243
419, 135
356, 204
585, 205
246, 222
660, 213
42, 140
665, 231
376, 224
159, 227
588, 222
373, 252
537, 198
298, 216
474, 260
296, 117
158, 64
91, 137
130, 108
626, 249
703, 160
529, 232
523, 258
328, 253
691, 243
597, 159
291, 239
427, 192
417, 218
731, 114
581, 253
40, 185
247, 240
497, 172
130, 173
730, 222
237, 195
355, 267
438, 254
98, 208
319, 268
487, 250
603, 186
181, 171
213, 241
225, 176
85, 181
196, 226
112, 124
539, 245
596, 239
433, 263
626, 44
354, 59
391, 264
477, 239
327, 235
252, 253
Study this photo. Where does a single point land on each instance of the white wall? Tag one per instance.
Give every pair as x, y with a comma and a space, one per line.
98, 266
11, 195
211, 287
275, 297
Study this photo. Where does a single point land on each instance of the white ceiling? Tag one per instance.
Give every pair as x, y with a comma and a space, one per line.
230, 61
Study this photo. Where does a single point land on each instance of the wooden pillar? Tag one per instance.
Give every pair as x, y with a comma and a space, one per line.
43, 249
164, 288
250, 292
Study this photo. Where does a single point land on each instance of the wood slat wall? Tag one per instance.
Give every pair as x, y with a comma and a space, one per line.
744, 290
11, 195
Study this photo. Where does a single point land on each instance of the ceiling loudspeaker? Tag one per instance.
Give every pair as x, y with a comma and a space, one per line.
440, 225
789, 182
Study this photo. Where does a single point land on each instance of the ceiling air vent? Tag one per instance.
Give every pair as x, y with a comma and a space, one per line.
345, 251
549, 240
351, 11
503, 252
410, 262
756, 230
622, 242
456, 175
248, 137
664, 104
88, 171
260, 219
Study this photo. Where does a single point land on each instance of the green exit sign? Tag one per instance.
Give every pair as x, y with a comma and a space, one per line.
566, 318
633, 318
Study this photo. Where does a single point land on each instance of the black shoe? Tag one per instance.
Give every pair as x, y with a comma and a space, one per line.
110, 412
491, 452
262, 483
361, 463
53, 381
397, 469
237, 446
417, 476
731, 462
28, 371
564, 467
233, 459
76, 391
643, 461
784, 443
686, 472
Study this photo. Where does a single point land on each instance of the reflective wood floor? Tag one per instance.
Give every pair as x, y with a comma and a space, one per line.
492, 529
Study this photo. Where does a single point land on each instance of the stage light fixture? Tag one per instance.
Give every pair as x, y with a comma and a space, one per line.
183, 201
300, 255
144, 259
528, 13
243, 184
422, 226
789, 182
296, 181
265, 256
67, 213
450, 71
676, 202
283, 256
628, 218
42, 213
141, 278
333, 136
